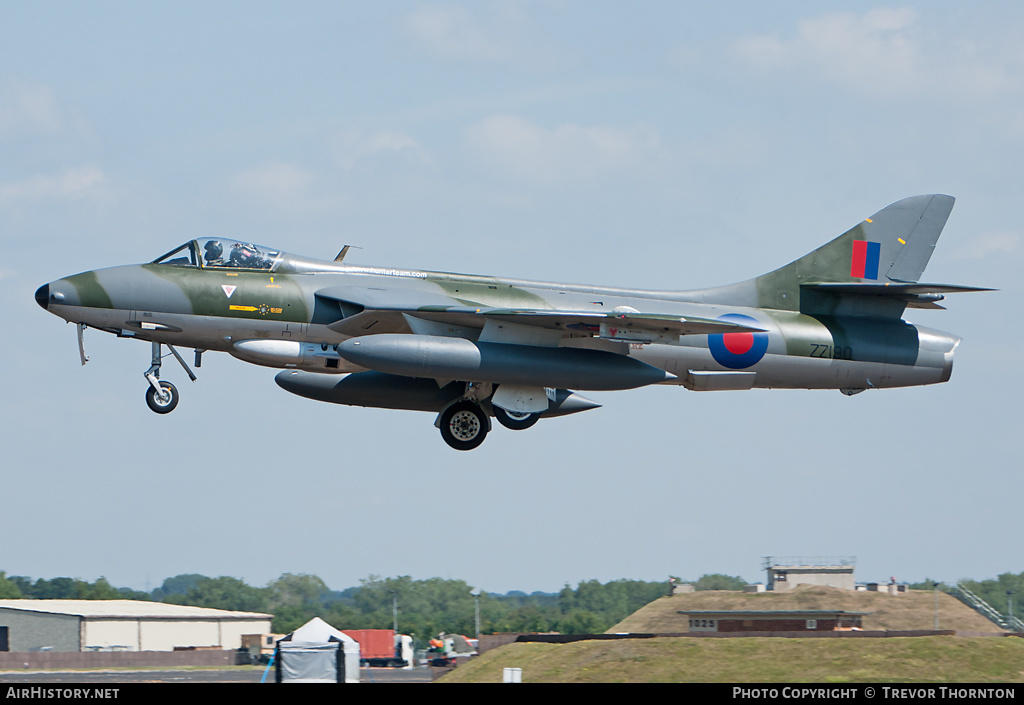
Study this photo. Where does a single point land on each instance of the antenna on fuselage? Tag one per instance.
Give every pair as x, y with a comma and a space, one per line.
344, 251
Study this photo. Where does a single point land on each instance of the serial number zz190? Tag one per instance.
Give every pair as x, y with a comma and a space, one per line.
832, 352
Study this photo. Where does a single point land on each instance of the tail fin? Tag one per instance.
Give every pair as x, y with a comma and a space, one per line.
867, 270
893, 245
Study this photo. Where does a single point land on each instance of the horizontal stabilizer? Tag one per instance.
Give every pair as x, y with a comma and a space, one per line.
891, 288
912, 294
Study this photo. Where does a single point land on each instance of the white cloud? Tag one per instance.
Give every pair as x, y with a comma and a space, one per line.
279, 185
33, 109
565, 152
993, 243
883, 51
77, 183
452, 33
272, 180
497, 33
354, 146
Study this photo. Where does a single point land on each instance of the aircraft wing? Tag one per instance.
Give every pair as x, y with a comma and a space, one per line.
593, 322
360, 308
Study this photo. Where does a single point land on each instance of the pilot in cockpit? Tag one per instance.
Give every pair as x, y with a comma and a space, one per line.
249, 256
214, 254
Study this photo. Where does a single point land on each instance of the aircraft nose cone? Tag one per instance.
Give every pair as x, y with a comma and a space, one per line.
43, 295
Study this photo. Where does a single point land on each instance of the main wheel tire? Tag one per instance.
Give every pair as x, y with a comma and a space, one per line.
515, 420
159, 405
463, 425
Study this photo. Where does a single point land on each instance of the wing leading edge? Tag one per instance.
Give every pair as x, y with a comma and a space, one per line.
357, 307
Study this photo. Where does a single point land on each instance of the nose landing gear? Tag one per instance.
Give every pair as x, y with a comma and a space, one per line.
162, 397
162, 402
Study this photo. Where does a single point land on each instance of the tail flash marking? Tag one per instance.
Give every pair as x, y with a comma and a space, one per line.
864, 262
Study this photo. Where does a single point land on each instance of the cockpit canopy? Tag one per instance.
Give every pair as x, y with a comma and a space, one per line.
215, 253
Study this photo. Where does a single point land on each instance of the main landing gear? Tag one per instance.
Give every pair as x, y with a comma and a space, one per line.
162, 397
515, 420
464, 423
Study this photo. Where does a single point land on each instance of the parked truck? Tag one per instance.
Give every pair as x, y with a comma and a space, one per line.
382, 647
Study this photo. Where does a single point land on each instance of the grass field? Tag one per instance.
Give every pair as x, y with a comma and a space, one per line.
937, 659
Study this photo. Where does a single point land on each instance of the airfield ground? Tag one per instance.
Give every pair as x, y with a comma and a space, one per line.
965, 658
224, 674
936, 659
972, 658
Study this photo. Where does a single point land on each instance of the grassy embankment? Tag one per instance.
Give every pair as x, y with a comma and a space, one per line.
939, 659
884, 612
766, 660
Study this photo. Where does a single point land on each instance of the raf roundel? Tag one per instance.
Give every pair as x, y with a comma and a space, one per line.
738, 351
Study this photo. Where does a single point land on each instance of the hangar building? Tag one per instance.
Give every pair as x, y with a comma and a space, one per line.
121, 625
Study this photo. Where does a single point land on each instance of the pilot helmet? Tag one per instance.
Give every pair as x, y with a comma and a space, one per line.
214, 250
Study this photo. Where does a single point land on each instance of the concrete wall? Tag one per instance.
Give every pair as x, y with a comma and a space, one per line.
28, 631
112, 634
838, 577
778, 625
114, 659
167, 634
33, 630
231, 632
164, 636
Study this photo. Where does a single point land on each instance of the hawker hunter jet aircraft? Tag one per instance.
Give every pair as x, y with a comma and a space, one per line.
471, 347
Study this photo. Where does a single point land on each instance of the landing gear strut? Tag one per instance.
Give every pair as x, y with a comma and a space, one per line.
162, 397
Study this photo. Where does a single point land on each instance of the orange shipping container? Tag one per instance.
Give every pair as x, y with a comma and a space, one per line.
376, 644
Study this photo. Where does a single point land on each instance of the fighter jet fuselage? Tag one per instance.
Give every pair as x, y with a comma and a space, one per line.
471, 347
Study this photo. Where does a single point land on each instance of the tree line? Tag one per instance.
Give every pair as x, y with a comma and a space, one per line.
428, 607
999, 592
424, 608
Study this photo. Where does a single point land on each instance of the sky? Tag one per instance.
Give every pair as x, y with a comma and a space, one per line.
664, 145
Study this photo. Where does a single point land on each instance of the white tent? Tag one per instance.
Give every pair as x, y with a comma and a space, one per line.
316, 652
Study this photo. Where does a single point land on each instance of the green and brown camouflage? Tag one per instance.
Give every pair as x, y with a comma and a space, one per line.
471, 346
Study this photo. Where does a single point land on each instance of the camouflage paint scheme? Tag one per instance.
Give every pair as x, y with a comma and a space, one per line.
831, 319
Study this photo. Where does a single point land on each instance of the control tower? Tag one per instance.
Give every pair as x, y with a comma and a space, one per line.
786, 572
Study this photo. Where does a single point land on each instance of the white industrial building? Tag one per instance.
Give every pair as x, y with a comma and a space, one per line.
785, 573
121, 625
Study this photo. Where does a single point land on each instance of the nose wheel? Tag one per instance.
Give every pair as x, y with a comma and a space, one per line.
162, 397
164, 402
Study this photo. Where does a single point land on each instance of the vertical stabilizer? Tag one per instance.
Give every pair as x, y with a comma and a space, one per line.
892, 246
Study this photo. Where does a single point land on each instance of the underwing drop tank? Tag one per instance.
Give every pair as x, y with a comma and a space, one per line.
383, 391
436, 357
